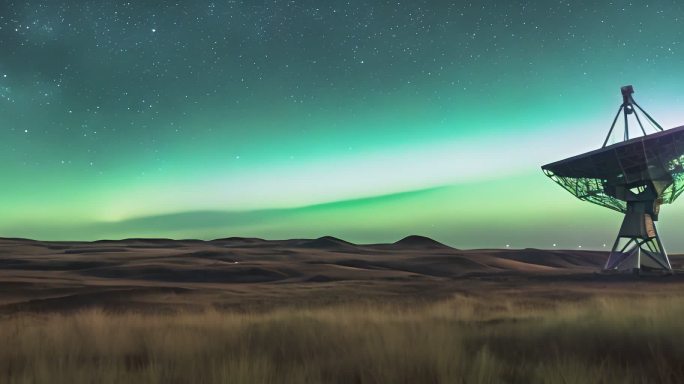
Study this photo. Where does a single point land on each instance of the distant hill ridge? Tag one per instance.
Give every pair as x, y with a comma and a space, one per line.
235, 239
414, 241
327, 242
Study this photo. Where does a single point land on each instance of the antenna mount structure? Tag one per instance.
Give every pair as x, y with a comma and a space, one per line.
627, 108
634, 177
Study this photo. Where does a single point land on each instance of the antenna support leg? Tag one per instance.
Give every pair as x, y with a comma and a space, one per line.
627, 108
638, 243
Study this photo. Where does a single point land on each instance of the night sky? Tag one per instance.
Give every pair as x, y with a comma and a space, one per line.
363, 120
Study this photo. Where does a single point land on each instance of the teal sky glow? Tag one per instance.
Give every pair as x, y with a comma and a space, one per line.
367, 120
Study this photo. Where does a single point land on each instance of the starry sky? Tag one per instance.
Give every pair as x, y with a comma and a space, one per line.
366, 120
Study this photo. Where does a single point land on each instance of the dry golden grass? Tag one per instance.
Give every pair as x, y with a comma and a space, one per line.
462, 340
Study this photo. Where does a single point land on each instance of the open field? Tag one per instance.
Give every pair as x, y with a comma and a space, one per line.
460, 340
327, 311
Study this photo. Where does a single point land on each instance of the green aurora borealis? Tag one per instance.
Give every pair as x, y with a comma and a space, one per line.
366, 120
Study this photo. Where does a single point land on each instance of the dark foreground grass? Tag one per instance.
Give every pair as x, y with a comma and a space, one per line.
462, 340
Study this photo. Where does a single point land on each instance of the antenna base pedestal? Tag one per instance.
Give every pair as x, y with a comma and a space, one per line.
638, 244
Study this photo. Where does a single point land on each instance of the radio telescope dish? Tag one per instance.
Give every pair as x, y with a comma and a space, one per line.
634, 177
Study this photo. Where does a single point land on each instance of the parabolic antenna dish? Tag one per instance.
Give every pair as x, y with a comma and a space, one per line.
611, 175
635, 177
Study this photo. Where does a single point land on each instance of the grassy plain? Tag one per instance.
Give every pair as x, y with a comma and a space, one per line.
459, 340
249, 311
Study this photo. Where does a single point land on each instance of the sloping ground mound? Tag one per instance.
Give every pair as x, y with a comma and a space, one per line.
113, 299
438, 266
56, 265
327, 242
194, 274
555, 259
210, 254
71, 251
445, 265
144, 242
415, 241
239, 240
